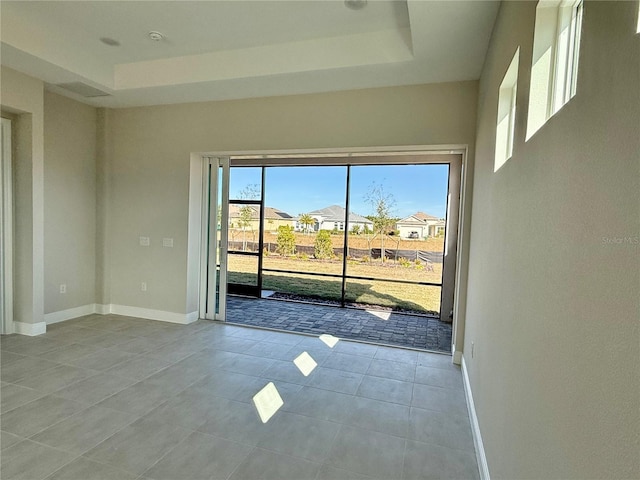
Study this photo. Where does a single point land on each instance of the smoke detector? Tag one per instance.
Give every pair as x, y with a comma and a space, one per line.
155, 36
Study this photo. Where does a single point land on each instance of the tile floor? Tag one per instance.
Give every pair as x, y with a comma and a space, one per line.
381, 327
110, 397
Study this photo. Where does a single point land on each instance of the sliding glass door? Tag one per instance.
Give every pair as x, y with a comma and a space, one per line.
216, 215
361, 232
245, 232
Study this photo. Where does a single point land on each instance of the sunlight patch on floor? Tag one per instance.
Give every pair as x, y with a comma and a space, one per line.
329, 340
305, 363
267, 402
379, 314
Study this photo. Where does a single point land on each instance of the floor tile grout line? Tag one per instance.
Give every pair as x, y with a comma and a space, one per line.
459, 415
346, 424
472, 450
97, 372
77, 455
253, 449
84, 454
90, 460
55, 423
59, 450
30, 437
404, 457
27, 403
170, 450
300, 457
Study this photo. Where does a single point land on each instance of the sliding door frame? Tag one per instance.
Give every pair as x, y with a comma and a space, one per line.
6, 234
457, 205
214, 241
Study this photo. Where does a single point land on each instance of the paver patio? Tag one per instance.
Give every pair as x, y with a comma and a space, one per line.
380, 327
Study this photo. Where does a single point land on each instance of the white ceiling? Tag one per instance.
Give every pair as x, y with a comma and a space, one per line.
215, 50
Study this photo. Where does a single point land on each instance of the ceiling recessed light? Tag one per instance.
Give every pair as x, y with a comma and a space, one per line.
155, 36
355, 4
112, 42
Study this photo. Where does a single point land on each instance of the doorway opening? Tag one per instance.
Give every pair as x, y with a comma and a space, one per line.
372, 232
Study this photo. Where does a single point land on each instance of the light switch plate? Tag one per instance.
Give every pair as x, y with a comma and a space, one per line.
167, 242
145, 241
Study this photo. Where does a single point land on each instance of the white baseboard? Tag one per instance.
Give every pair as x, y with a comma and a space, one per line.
457, 357
181, 318
483, 466
30, 329
103, 309
69, 314
61, 316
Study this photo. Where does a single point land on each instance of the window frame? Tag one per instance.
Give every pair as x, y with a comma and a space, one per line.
554, 77
565, 55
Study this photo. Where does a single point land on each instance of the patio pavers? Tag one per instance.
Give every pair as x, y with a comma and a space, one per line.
413, 331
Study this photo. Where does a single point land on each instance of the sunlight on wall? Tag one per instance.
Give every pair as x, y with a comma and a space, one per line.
506, 122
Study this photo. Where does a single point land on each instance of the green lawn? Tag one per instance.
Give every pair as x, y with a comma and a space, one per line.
371, 292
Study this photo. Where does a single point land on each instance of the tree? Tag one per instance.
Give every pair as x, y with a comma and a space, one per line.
355, 230
286, 240
306, 220
382, 204
250, 192
322, 247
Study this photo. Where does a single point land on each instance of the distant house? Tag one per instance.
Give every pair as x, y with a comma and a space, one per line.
420, 225
273, 218
333, 218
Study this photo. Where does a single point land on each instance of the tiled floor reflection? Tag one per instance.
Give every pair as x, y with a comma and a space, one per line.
111, 397
385, 328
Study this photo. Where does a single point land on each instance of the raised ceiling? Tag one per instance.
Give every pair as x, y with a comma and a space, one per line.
215, 50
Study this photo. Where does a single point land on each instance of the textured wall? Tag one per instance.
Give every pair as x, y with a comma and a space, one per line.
553, 294
70, 202
149, 168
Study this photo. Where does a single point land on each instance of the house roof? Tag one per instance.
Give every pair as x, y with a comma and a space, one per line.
418, 218
336, 213
424, 216
274, 213
270, 213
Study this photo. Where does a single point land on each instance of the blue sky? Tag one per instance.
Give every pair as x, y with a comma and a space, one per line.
298, 190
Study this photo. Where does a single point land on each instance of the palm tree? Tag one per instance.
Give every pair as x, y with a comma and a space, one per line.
306, 220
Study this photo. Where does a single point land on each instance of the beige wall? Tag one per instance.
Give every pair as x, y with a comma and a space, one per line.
23, 96
552, 308
70, 203
104, 148
149, 171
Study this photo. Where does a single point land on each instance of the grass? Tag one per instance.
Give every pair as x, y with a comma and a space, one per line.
398, 296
